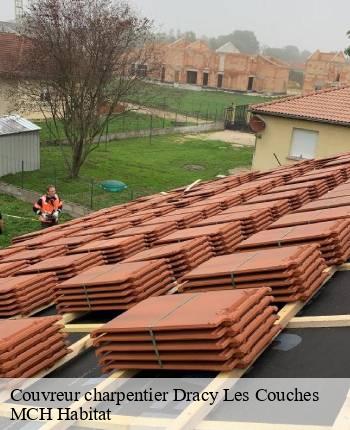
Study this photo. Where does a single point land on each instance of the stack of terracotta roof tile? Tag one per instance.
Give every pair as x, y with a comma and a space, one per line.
296, 198
333, 178
30, 345
344, 169
225, 200
310, 217
180, 201
324, 203
319, 163
315, 188
104, 230
277, 208
293, 272
114, 250
74, 241
154, 212
182, 220
222, 237
133, 220
251, 221
33, 256
181, 257
339, 191
38, 241
332, 236
10, 269
116, 286
21, 295
7, 252
216, 331
207, 209
65, 267
245, 191
151, 233
341, 161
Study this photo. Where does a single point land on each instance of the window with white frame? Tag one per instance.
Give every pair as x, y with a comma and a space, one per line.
304, 143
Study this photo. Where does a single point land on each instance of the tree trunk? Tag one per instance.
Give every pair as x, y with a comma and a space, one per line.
77, 160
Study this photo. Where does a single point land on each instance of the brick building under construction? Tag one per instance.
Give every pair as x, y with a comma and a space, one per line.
196, 64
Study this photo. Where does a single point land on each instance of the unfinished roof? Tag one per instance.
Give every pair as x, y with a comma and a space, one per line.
337, 57
327, 106
15, 124
228, 48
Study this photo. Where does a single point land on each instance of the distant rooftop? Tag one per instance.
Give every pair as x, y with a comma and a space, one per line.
228, 48
14, 124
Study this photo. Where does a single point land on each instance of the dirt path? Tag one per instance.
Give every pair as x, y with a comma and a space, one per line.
168, 115
237, 138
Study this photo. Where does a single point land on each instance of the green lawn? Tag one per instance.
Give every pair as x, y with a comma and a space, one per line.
165, 163
128, 121
205, 103
17, 226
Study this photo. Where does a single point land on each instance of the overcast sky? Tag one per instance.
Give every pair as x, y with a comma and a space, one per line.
309, 24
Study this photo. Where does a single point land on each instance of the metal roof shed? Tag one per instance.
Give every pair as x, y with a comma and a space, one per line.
19, 145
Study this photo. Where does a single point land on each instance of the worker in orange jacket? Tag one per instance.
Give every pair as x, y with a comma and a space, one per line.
48, 207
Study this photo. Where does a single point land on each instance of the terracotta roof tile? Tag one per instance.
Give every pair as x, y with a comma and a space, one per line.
330, 106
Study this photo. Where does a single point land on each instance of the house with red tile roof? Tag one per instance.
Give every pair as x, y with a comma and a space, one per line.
291, 129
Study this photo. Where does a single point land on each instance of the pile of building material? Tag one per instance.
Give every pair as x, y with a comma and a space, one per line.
296, 198
73, 242
182, 220
251, 221
223, 238
332, 178
21, 295
105, 230
9, 269
325, 203
114, 250
28, 346
151, 233
216, 331
181, 257
310, 217
315, 188
226, 200
114, 287
332, 236
293, 273
206, 209
277, 208
67, 266
33, 256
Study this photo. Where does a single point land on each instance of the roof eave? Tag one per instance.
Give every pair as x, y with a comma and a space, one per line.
302, 118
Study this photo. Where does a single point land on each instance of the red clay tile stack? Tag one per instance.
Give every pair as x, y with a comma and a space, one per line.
225, 200
114, 250
311, 217
277, 208
332, 236
181, 257
67, 266
207, 209
292, 272
105, 230
216, 331
315, 188
114, 287
73, 241
33, 256
182, 220
7, 252
296, 198
251, 221
333, 178
10, 269
28, 346
21, 295
223, 238
325, 203
151, 233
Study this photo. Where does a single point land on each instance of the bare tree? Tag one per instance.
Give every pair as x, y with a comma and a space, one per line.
83, 55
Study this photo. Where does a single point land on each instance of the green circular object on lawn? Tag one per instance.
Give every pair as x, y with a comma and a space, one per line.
113, 186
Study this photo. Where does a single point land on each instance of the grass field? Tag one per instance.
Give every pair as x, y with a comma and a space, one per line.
205, 103
130, 121
17, 226
165, 163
